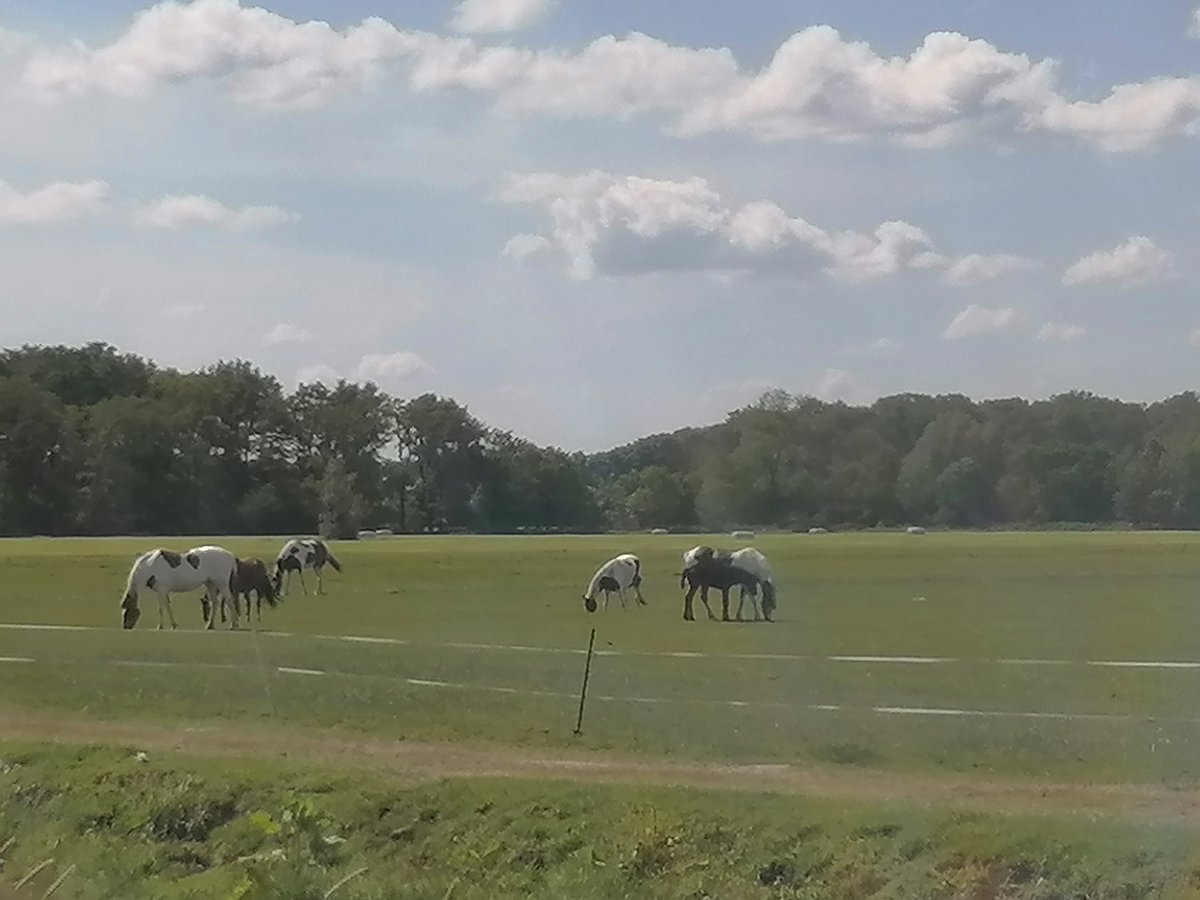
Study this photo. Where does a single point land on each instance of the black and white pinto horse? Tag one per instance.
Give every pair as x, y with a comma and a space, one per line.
297, 555
617, 575
165, 572
745, 569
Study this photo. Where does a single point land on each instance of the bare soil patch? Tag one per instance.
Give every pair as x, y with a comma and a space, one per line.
1176, 804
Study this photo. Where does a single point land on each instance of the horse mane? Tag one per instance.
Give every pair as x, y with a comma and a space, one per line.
594, 584
133, 570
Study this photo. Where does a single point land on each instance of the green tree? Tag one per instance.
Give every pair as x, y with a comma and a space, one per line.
341, 507
39, 461
445, 445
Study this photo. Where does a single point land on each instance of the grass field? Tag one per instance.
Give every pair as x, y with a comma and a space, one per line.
485, 637
914, 695
182, 827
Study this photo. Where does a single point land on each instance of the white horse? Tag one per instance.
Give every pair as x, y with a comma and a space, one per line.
618, 574
166, 572
750, 560
299, 554
753, 562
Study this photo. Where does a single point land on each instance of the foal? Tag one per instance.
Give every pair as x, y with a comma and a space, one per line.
251, 576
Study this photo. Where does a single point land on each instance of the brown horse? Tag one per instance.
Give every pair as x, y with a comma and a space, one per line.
710, 568
251, 576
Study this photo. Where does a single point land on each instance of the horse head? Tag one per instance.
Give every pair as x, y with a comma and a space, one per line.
275, 579
589, 603
130, 612
768, 599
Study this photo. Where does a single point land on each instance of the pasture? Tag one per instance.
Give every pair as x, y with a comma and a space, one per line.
1069, 656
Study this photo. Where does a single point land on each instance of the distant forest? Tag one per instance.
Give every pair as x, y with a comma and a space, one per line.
94, 441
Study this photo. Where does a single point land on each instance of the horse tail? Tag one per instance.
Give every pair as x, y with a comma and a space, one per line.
637, 573
333, 561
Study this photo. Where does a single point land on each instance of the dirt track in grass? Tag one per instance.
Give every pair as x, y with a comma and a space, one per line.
423, 760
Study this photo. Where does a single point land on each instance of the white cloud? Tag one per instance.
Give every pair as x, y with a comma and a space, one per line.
613, 225
179, 210
977, 321
61, 201
879, 346
1055, 331
262, 58
1194, 338
12, 42
401, 366
1194, 31
976, 268
1137, 261
522, 246
477, 16
1131, 117
837, 384
318, 374
818, 84
287, 333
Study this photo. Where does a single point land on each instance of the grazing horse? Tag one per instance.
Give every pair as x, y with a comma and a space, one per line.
618, 574
166, 572
707, 568
252, 575
298, 555
749, 560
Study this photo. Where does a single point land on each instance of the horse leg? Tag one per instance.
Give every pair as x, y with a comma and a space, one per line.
300, 572
704, 599
637, 591
741, 602
170, 612
320, 582
725, 604
229, 598
160, 610
687, 604
621, 594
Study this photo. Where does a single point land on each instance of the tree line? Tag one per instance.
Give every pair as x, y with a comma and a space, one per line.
95, 441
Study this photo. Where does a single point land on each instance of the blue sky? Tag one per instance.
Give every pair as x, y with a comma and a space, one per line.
592, 221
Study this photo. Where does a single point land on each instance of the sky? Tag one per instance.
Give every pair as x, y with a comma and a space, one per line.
592, 221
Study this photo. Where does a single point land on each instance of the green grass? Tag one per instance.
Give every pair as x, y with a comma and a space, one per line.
178, 827
977, 598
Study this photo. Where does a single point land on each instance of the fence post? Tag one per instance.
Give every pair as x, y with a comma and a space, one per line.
587, 670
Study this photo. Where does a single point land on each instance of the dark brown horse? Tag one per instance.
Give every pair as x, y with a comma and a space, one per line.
251, 576
713, 569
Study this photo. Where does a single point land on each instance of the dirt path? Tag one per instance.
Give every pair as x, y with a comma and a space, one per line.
415, 759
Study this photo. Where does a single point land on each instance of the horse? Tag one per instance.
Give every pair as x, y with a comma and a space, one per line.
749, 560
707, 568
252, 575
299, 554
618, 574
165, 572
